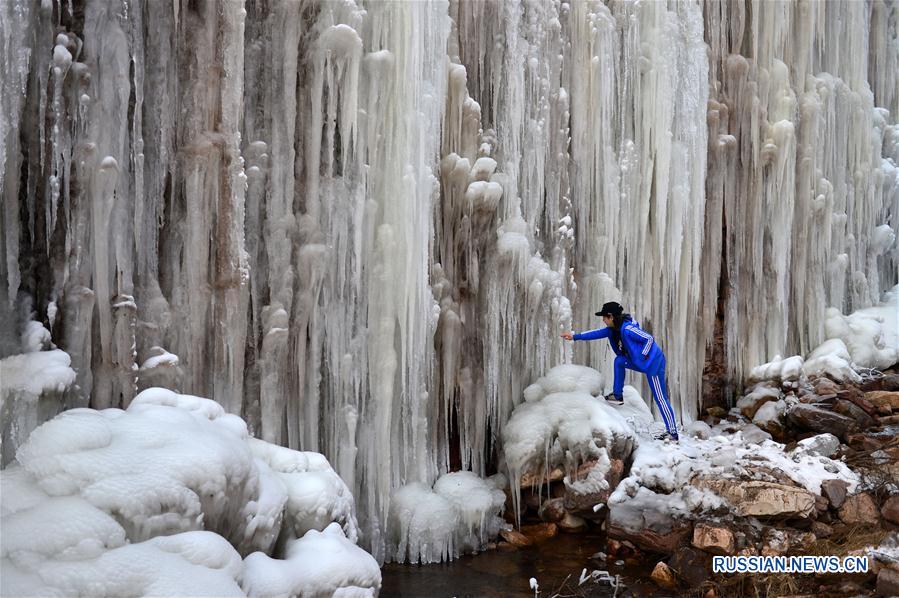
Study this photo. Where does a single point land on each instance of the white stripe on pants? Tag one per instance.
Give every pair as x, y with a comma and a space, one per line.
658, 393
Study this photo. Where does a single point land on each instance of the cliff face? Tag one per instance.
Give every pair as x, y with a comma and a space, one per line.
363, 225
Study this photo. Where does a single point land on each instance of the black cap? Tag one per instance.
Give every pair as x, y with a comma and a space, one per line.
611, 309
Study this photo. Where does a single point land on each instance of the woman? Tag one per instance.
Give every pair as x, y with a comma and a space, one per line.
636, 350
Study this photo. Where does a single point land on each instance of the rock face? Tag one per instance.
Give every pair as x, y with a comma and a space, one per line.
860, 509
763, 499
809, 417
714, 539
649, 529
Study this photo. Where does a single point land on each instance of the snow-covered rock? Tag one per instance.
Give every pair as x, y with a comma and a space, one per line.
562, 423
163, 498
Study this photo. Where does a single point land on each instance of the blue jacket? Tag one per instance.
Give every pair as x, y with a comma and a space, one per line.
640, 348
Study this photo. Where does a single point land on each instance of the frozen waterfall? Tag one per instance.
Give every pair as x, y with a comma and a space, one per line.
362, 225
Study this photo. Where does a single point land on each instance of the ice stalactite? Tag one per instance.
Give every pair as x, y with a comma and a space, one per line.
361, 226
799, 112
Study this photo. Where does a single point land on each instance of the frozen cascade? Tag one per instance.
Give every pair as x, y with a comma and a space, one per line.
361, 226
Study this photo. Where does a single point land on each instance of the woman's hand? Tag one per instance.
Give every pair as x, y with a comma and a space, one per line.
568, 336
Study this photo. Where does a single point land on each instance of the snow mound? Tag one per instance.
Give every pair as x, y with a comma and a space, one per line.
565, 378
322, 563
871, 335
162, 499
460, 514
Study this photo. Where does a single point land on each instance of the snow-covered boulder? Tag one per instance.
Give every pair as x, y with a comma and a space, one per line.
163, 498
31, 390
562, 423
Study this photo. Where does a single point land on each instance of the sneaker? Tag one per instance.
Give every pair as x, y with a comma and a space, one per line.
614, 399
666, 436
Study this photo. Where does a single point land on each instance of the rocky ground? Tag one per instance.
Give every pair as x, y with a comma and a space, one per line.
797, 467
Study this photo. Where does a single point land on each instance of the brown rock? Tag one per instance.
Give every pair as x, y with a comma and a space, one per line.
552, 510
713, 539
515, 538
821, 503
649, 529
835, 492
757, 498
775, 543
664, 576
880, 398
852, 410
888, 582
716, 411
821, 530
572, 524
890, 509
860, 509
888, 420
863, 403
531, 479
691, 565
826, 386
863, 442
539, 531
809, 417
583, 504
748, 411
890, 382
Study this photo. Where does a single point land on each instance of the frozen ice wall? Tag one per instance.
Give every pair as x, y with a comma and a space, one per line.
362, 225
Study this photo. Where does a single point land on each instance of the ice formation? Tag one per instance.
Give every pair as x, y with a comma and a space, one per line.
459, 515
563, 423
361, 226
164, 498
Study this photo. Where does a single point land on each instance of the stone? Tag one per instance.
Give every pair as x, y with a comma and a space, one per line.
888, 420
864, 442
718, 412
890, 509
664, 576
515, 538
821, 445
650, 529
572, 524
775, 542
835, 492
816, 419
713, 539
754, 434
582, 504
539, 531
531, 479
691, 565
887, 582
852, 410
860, 509
751, 405
552, 510
758, 498
821, 530
826, 386
884, 398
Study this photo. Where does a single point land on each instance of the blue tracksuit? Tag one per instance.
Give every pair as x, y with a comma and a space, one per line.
642, 354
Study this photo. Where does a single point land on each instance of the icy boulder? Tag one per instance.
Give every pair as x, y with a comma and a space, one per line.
458, 515
319, 564
163, 498
831, 358
562, 424
871, 335
31, 391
